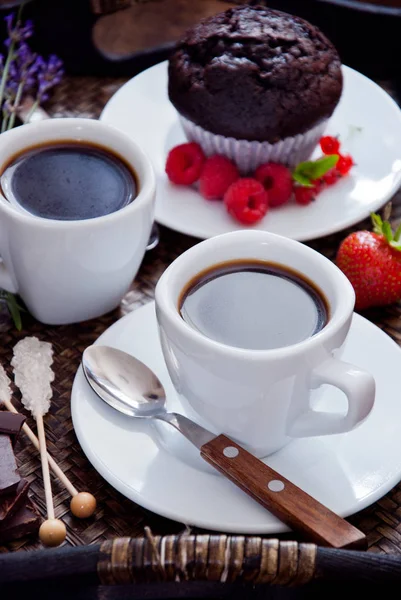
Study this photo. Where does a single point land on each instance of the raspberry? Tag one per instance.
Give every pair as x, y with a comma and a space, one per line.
304, 195
184, 163
329, 145
277, 181
344, 164
217, 175
246, 200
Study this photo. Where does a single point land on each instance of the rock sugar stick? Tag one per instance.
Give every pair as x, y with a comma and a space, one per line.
33, 375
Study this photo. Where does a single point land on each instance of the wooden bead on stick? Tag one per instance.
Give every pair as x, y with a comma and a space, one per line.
52, 532
84, 497
83, 505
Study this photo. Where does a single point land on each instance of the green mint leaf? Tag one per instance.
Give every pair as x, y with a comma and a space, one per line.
324, 164
377, 223
304, 169
14, 309
314, 169
302, 179
388, 234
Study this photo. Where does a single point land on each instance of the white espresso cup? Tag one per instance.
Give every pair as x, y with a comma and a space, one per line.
70, 271
262, 398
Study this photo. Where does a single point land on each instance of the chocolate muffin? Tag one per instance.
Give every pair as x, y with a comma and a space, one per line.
254, 74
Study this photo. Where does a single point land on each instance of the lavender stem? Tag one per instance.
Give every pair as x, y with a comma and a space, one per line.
4, 76
4, 121
32, 110
10, 56
17, 101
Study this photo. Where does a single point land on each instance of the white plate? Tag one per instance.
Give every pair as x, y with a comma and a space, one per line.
142, 109
158, 469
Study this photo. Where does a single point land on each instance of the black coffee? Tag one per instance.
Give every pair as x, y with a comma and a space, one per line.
69, 181
254, 305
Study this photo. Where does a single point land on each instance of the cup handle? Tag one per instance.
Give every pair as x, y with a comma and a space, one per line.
357, 385
6, 280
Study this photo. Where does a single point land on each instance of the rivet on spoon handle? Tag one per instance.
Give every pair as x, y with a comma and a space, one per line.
284, 499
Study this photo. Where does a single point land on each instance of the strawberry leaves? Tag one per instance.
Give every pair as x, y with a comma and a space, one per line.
384, 228
377, 223
306, 173
397, 234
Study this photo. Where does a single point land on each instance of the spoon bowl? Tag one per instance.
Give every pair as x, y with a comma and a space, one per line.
123, 382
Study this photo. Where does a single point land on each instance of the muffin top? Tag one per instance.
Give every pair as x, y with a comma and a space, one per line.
254, 73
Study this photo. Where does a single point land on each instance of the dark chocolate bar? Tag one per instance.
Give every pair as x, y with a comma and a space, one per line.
10, 424
9, 477
11, 503
23, 523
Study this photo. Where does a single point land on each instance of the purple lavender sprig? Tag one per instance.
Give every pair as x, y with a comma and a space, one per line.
16, 31
24, 72
49, 75
22, 79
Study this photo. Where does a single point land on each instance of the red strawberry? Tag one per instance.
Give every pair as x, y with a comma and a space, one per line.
277, 181
184, 163
372, 263
246, 200
217, 175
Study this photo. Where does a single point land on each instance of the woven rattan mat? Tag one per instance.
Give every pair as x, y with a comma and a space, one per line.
117, 516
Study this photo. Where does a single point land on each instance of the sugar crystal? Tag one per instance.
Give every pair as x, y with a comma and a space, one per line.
32, 362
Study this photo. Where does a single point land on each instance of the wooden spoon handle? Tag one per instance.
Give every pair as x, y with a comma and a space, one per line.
281, 497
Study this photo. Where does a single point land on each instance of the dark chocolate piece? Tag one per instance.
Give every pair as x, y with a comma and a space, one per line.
10, 424
11, 503
23, 523
9, 477
256, 74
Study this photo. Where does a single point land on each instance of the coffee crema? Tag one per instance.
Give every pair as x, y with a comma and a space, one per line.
68, 181
253, 304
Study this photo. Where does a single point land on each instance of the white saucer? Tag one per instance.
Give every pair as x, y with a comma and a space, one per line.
141, 108
158, 469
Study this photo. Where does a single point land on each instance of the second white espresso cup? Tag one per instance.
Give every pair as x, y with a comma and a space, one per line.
261, 398
70, 271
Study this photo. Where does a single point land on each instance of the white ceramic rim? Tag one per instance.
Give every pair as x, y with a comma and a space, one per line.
166, 303
65, 128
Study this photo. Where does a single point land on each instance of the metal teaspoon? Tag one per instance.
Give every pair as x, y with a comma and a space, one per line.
130, 387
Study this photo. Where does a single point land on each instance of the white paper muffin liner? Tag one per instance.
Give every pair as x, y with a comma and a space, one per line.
249, 155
